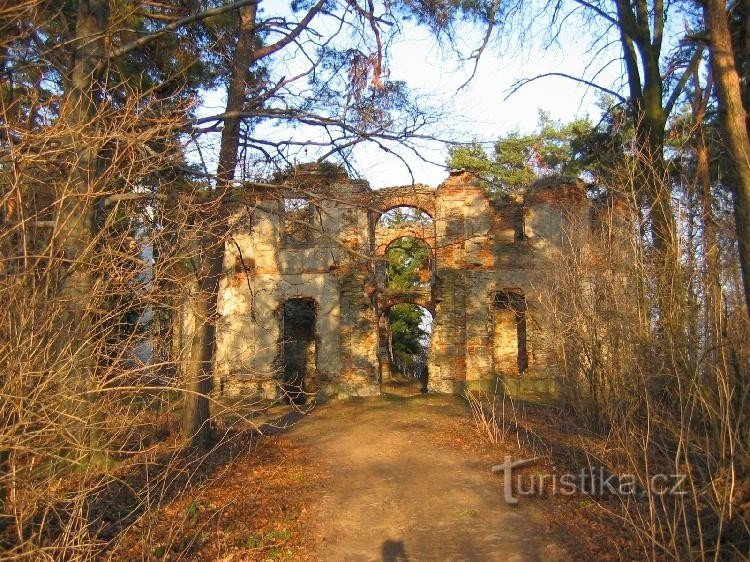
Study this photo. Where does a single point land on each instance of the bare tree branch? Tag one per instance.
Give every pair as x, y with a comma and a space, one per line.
521, 83
680, 86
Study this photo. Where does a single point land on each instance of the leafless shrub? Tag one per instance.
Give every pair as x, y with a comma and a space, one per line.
668, 393
90, 367
494, 415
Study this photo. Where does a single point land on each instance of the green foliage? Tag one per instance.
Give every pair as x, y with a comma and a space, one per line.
407, 336
442, 16
408, 267
518, 159
372, 102
408, 263
604, 151
192, 512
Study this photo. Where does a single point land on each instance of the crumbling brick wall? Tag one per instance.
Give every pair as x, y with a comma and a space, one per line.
327, 245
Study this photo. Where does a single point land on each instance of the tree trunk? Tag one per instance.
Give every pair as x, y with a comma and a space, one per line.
733, 119
73, 231
646, 88
710, 240
199, 367
199, 371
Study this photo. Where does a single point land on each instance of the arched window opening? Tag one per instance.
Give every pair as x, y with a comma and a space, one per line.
509, 332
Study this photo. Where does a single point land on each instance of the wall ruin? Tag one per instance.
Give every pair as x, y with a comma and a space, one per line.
323, 244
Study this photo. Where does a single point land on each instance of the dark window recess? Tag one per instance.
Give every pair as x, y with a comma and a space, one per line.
298, 353
509, 300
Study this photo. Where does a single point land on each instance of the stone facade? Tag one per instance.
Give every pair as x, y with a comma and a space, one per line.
323, 245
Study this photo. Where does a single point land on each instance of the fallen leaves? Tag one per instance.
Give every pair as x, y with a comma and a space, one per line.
254, 509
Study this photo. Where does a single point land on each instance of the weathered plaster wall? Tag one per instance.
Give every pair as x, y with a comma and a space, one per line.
479, 248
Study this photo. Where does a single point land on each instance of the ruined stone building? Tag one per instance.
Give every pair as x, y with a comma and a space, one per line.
305, 290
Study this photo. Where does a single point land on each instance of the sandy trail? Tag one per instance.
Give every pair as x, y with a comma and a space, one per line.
392, 493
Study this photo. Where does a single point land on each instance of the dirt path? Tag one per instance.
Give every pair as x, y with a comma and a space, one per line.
393, 492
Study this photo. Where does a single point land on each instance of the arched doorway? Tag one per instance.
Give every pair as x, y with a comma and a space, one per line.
406, 336
297, 349
404, 241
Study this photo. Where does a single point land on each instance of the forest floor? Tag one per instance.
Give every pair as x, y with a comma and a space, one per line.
397, 477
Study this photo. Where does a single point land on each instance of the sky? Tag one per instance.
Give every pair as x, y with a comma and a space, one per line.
480, 111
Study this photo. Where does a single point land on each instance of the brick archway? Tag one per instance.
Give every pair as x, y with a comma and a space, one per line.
419, 196
384, 237
420, 297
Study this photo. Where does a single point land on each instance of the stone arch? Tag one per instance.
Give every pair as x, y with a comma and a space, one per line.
384, 237
419, 196
420, 297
